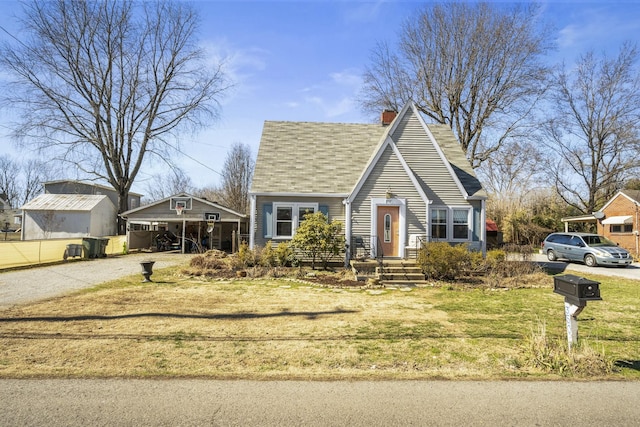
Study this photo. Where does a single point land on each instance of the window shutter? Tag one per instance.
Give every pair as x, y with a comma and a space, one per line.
476, 224
267, 219
324, 209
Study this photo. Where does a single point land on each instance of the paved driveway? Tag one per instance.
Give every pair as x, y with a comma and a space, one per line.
630, 272
38, 283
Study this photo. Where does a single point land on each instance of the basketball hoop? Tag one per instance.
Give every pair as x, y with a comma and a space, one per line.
179, 209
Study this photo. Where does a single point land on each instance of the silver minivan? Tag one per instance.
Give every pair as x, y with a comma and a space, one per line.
592, 249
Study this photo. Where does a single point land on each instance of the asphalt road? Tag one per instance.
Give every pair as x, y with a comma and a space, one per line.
296, 403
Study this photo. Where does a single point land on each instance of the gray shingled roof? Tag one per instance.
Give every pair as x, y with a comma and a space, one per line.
459, 162
329, 158
307, 157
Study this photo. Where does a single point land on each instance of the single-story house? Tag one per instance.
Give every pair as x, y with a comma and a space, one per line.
618, 220
51, 216
393, 184
189, 222
621, 220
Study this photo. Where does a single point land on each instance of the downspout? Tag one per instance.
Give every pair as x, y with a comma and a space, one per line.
252, 222
483, 228
637, 231
347, 231
428, 233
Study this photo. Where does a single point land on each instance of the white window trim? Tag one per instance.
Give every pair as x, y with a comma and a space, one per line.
295, 211
450, 225
469, 219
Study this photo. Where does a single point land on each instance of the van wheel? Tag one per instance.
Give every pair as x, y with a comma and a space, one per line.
590, 260
551, 256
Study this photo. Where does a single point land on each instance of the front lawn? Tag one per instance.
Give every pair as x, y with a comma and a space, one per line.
183, 326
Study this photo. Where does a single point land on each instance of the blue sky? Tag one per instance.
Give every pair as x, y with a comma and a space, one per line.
303, 61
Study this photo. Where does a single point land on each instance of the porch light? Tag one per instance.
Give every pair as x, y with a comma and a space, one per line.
388, 193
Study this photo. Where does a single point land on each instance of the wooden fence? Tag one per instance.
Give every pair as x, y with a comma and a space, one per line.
35, 252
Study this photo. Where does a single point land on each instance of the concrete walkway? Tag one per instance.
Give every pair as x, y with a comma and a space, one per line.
38, 283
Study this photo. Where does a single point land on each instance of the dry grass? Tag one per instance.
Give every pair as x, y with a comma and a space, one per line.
183, 326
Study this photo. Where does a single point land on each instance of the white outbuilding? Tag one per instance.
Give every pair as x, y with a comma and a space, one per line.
55, 216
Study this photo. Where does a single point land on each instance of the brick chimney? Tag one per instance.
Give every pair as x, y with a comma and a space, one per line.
387, 117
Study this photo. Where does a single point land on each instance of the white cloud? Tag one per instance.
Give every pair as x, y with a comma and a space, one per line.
597, 27
364, 12
348, 77
239, 64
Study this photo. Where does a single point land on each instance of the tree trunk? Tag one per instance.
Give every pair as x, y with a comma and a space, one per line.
123, 206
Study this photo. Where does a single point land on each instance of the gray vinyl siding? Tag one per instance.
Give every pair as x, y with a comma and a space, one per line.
425, 162
388, 173
161, 212
334, 204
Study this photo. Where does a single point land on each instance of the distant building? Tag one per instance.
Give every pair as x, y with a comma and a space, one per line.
9, 218
618, 220
54, 216
79, 187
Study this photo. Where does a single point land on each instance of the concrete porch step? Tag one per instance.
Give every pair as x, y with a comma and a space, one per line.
405, 283
400, 273
401, 276
394, 272
398, 270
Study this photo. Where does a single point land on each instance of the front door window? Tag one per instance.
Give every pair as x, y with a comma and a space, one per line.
387, 228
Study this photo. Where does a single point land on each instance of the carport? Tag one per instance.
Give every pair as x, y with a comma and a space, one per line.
186, 223
584, 219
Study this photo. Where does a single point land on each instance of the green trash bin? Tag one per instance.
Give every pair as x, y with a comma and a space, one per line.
90, 245
102, 247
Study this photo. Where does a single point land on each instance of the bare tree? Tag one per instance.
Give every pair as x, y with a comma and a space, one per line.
104, 83
21, 181
595, 130
476, 67
213, 194
236, 178
34, 174
163, 185
510, 177
513, 172
9, 178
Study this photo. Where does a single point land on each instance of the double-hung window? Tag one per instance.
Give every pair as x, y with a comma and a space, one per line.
460, 224
288, 216
439, 224
284, 221
450, 224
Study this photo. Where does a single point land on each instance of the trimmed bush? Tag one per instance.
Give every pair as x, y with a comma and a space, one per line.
442, 261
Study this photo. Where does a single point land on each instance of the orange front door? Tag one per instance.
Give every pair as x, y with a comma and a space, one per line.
388, 230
